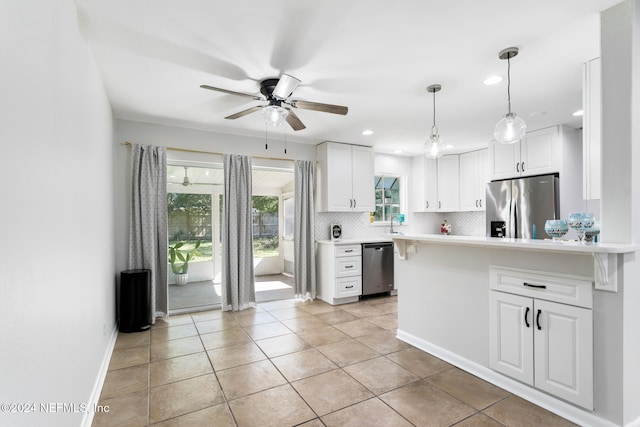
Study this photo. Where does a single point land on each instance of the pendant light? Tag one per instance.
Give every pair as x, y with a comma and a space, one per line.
434, 148
511, 128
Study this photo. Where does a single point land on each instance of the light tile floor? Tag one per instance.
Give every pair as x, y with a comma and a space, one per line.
288, 363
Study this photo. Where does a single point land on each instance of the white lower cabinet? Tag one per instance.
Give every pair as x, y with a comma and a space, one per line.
540, 342
339, 272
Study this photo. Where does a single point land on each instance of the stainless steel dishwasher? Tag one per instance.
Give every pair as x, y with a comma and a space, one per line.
377, 268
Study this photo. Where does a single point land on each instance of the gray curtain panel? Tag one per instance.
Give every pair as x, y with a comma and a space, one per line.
148, 220
303, 230
238, 287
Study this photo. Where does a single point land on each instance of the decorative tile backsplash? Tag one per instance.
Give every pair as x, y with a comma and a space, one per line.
356, 225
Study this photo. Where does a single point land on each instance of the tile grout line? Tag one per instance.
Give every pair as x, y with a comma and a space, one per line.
247, 327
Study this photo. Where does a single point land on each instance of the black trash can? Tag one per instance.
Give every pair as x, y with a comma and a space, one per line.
135, 300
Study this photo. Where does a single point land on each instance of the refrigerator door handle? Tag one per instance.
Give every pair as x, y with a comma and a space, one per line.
513, 220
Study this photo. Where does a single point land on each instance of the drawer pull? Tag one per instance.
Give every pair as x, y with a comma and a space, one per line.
526, 314
348, 250
348, 266
349, 287
535, 286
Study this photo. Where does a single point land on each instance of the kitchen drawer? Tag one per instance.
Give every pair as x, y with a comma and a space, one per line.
565, 289
348, 266
348, 286
348, 250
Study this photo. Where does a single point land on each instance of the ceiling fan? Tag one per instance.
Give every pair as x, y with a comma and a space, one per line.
277, 92
186, 181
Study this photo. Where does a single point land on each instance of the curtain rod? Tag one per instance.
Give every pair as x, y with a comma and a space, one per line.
186, 150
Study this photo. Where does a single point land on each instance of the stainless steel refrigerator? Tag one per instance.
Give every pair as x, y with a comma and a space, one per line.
519, 207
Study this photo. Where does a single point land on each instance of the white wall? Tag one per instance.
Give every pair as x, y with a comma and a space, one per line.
57, 216
620, 198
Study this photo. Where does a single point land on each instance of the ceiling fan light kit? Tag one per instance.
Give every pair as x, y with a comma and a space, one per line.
277, 92
434, 147
510, 128
274, 115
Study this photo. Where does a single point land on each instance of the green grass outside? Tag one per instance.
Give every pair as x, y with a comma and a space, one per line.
262, 248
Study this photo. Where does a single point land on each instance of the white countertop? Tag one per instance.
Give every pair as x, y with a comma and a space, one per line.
538, 245
355, 241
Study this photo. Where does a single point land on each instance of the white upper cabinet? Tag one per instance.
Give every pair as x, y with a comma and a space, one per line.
591, 129
448, 184
474, 175
345, 177
539, 152
362, 184
557, 149
424, 184
536, 154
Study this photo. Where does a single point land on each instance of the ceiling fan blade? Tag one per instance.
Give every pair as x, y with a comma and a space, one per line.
244, 112
285, 87
293, 120
256, 97
316, 106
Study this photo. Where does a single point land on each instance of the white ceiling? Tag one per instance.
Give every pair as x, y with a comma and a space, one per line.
374, 56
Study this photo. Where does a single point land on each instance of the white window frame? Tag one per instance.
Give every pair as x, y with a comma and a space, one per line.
402, 182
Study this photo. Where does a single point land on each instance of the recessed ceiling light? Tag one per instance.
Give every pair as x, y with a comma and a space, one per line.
398, 151
492, 80
578, 113
537, 113
367, 132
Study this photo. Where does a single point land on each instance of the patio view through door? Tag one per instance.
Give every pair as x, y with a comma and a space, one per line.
273, 233
195, 201
195, 213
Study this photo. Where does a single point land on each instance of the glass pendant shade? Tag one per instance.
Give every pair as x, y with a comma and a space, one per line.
434, 147
274, 114
510, 129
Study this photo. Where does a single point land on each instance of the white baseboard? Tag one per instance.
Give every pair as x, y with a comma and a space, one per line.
94, 399
558, 407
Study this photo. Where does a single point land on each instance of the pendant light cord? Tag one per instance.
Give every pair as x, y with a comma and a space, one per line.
434, 115
509, 81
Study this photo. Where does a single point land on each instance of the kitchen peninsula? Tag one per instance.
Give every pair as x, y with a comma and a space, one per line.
541, 319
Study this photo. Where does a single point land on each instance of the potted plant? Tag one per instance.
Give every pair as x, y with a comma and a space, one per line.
179, 259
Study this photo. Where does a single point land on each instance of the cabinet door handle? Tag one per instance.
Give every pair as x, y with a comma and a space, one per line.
439, 204
531, 285
518, 167
526, 315
350, 203
427, 204
538, 319
522, 167
480, 202
476, 203
354, 203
